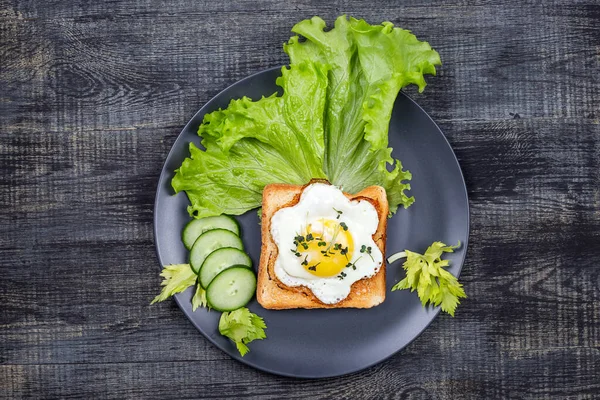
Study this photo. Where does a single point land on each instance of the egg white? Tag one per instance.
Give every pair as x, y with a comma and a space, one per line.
320, 201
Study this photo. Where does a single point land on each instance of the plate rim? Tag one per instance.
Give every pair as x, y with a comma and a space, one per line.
236, 356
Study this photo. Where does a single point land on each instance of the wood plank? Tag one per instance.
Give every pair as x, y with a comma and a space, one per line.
567, 373
122, 70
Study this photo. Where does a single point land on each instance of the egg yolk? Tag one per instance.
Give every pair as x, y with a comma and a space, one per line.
325, 248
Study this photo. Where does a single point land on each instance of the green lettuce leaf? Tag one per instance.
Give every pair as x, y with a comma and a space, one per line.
242, 327
369, 66
176, 278
331, 121
426, 274
277, 139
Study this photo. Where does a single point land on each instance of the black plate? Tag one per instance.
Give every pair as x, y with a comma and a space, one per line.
326, 343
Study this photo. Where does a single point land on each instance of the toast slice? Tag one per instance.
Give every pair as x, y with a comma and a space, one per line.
273, 294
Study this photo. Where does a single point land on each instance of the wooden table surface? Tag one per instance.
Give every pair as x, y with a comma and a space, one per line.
92, 96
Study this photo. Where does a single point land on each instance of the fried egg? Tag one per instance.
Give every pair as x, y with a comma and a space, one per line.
325, 242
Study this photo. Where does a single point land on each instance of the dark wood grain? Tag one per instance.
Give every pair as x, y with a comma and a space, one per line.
93, 94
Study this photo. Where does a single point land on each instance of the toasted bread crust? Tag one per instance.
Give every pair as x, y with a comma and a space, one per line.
273, 294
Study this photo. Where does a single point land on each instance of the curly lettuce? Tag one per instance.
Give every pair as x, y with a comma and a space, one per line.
331, 121
369, 66
277, 139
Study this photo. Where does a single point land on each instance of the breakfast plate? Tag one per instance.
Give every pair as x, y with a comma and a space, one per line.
322, 342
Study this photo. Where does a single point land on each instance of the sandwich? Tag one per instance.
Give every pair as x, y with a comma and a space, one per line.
322, 248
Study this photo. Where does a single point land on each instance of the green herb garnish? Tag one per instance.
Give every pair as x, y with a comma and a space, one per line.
426, 274
367, 250
242, 327
176, 278
339, 213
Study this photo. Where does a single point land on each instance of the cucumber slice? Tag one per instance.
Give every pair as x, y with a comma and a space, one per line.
231, 289
197, 227
220, 260
210, 241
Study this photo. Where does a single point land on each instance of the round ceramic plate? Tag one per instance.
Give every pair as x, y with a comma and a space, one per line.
326, 343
